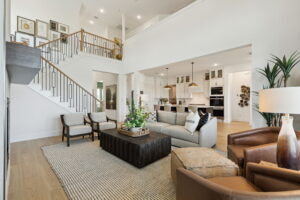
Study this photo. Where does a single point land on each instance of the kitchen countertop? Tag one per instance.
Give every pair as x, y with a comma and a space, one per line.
198, 106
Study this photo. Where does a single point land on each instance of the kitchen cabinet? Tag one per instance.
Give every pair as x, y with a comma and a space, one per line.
159, 90
216, 77
183, 91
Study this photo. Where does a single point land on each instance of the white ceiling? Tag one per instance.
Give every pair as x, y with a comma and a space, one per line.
131, 8
234, 57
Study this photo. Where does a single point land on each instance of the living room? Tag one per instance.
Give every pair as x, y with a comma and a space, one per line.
117, 101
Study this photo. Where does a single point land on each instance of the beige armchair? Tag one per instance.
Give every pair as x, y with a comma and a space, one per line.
262, 183
75, 125
99, 122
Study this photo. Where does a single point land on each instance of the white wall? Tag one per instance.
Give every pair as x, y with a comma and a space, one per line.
239, 113
33, 116
66, 12
81, 67
2, 94
207, 27
228, 81
107, 79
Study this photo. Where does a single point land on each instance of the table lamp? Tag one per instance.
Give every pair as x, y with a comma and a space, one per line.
284, 101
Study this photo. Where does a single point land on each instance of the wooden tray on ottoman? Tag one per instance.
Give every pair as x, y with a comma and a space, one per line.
141, 133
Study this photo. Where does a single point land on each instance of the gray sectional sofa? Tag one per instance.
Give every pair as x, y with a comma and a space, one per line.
172, 124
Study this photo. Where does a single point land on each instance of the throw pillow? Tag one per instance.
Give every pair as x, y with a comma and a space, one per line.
152, 117
191, 122
203, 120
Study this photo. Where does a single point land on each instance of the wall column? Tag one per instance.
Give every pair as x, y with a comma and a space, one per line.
123, 29
121, 100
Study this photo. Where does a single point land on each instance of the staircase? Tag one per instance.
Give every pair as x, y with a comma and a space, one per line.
52, 83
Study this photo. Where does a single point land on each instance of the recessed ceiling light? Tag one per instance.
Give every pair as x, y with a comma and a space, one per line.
139, 17
101, 10
215, 65
162, 74
92, 22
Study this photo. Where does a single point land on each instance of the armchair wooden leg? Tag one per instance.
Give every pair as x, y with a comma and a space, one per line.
92, 136
68, 141
63, 134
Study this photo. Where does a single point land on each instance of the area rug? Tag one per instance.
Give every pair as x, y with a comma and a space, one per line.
88, 172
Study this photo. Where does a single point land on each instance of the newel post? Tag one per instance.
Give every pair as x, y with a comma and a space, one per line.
81, 39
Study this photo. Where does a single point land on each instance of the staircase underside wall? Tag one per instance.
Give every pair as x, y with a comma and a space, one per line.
34, 116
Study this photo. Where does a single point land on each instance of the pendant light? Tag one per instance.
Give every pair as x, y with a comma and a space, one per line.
192, 84
167, 86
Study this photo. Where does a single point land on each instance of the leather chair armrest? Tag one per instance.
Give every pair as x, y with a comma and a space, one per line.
240, 138
266, 152
193, 187
271, 179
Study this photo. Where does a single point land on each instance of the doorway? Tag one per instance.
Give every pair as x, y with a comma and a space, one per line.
240, 96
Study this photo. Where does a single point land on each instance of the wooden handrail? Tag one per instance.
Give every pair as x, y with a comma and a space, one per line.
56, 68
64, 37
97, 45
82, 31
98, 36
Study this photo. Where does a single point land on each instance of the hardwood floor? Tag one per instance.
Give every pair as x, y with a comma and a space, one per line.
31, 177
227, 128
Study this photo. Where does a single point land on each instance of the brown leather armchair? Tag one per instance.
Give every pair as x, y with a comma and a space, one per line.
241, 141
262, 182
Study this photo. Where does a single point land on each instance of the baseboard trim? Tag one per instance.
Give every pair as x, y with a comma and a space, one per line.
36, 136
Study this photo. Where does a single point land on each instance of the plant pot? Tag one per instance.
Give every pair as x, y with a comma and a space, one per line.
135, 129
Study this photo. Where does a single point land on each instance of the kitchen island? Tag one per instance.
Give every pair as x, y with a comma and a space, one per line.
202, 107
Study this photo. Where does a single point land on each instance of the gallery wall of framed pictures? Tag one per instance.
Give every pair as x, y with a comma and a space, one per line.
37, 32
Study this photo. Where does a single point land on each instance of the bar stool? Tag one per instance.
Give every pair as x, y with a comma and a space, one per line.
193, 108
156, 107
180, 109
167, 108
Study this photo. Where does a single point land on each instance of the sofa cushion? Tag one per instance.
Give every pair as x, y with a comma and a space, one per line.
180, 132
181, 118
152, 117
156, 126
80, 129
74, 119
191, 122
203, 120
236, 153
105, 125
235, 183
99, 116
166, 117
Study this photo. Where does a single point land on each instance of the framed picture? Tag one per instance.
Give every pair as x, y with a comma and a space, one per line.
25, 25
62, 28
64, 38
111, 97
53, 36
26, 39
40, 41
42, 29
187, 79
207, 76
53, 25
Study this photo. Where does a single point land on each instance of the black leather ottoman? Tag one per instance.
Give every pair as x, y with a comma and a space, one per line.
139, 151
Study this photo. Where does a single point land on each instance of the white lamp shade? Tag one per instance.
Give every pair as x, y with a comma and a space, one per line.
280, 100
